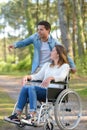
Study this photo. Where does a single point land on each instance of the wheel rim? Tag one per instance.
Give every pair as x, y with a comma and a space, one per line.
68, 113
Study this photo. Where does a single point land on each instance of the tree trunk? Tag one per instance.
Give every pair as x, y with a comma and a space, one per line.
80, 33
74, 29
4, 47
28, 17
66, 40
37, 12
47, 8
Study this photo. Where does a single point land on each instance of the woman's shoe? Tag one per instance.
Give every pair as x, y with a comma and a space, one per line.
13, 119
29, 120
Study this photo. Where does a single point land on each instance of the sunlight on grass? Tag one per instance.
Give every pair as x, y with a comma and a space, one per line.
15, 73
80, 87
5, 105
1, 117
83, 92
75, 85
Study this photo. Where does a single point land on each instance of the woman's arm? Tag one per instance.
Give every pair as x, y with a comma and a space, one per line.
26, 78
40, 75
63, 73
59, 75
47, 81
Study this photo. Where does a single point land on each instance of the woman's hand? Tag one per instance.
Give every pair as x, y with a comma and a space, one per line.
46, 82
25, 79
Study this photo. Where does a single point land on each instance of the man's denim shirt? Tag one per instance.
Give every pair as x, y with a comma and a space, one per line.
35, 40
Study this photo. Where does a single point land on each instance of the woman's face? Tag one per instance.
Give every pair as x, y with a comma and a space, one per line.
54, 55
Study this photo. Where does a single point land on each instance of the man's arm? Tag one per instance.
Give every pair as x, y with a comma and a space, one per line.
72, 64
22, 43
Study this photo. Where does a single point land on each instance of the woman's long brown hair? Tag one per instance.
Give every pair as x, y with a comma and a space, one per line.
61, 51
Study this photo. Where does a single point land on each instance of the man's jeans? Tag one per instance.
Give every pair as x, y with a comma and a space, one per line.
31, 94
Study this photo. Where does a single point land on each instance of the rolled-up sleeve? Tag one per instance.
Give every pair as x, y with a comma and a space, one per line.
71, 62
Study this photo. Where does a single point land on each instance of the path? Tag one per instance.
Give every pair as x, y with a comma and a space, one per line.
12, 86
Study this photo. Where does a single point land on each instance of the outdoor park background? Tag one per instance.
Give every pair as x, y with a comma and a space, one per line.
18, 20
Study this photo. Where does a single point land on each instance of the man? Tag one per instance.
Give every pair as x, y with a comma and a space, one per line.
43, 44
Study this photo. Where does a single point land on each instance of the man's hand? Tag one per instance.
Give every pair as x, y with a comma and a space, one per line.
73, 70
10, 48
46, 82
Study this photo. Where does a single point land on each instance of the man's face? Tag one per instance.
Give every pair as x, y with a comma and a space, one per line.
42, 31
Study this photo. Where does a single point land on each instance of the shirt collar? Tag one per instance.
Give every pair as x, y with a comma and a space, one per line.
49, 37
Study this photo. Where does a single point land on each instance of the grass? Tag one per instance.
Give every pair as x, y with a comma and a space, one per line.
14, 73
79, 84
6, 106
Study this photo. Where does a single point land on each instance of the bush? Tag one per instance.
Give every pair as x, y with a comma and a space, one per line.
24, 66
7, 67
81, 64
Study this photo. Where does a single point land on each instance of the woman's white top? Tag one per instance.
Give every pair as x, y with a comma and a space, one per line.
59, 73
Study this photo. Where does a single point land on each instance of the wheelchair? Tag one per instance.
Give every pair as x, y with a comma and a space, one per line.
62, 108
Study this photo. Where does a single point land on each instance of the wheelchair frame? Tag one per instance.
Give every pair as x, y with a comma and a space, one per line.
63, 110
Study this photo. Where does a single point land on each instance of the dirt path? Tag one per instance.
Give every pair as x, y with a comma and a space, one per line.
12, 86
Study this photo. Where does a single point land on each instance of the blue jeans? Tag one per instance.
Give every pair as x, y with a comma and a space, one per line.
31, 94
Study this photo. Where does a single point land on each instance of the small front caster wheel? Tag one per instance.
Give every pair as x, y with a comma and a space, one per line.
48, 126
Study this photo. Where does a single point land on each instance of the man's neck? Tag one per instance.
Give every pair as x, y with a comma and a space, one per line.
44, 39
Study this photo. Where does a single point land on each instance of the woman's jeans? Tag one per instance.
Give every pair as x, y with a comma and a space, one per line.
31, 94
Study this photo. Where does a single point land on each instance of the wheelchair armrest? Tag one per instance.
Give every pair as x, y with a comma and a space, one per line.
37, 81
59, 82
53, 82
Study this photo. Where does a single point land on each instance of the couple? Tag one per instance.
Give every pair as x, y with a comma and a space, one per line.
57, 70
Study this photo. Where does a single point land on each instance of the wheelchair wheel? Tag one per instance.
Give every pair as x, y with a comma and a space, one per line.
48, 126
20, 126
68, 110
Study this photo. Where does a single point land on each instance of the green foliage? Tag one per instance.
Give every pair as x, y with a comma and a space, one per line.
25, 24
83, 92
7, 67
81, 64
10, 58
23, 65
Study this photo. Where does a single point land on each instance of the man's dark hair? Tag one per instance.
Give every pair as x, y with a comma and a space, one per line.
46, 24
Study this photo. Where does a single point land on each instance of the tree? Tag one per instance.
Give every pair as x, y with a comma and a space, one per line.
80, 32
66, 39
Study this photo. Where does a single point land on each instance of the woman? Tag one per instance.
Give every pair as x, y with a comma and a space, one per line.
57, 71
